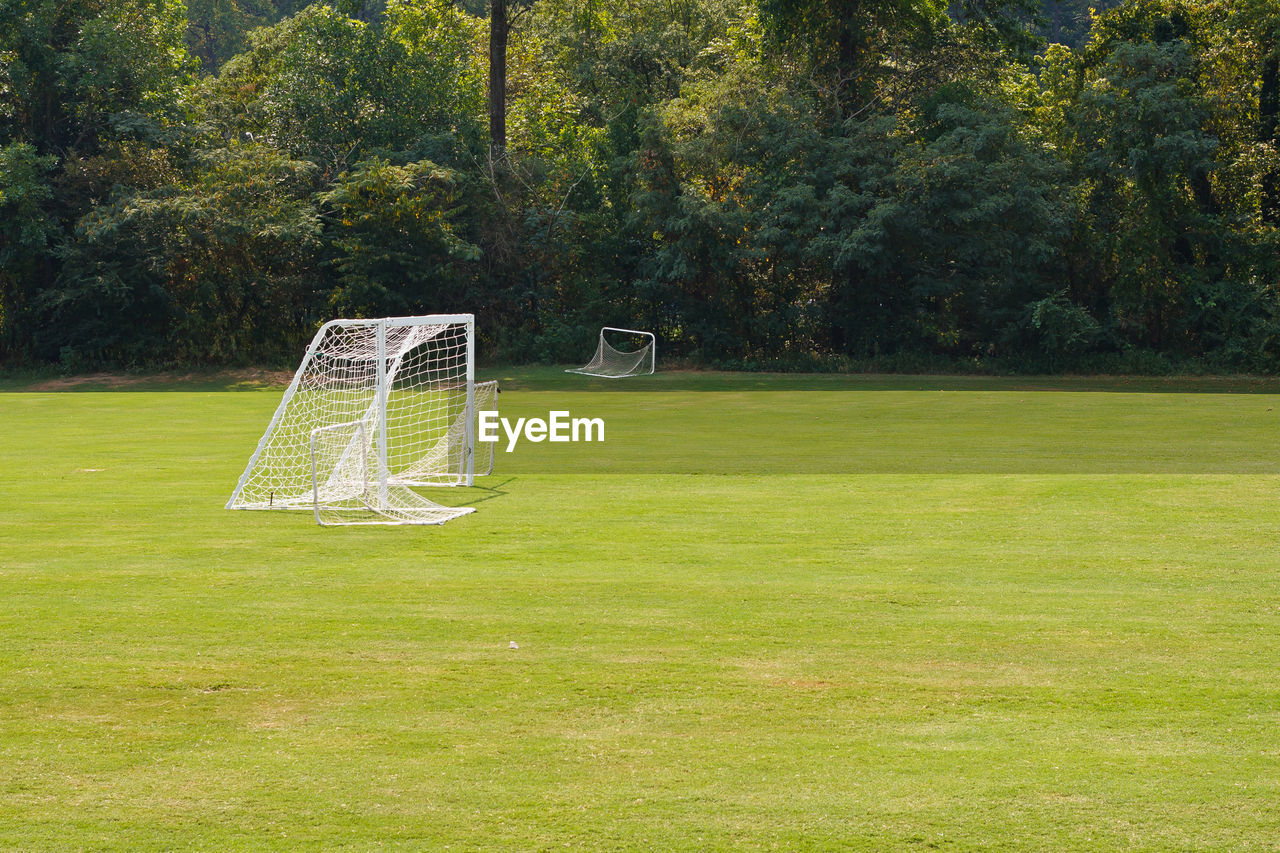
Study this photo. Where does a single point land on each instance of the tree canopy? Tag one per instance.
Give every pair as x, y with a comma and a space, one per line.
793, 184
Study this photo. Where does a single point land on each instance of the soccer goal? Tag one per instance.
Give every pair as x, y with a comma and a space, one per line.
613, 363
376, 408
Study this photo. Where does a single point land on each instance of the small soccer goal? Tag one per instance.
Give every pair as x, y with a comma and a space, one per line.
377, 409
632, 353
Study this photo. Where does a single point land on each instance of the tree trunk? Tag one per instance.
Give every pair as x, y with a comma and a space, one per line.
1269, 132
499, 26
849, 39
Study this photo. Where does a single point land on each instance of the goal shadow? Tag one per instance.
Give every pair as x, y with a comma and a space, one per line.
478, 494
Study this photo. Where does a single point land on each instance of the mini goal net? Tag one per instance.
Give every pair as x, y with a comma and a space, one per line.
377, 408
636, 357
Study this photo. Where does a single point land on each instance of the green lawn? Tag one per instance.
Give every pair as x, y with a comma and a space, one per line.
823, 613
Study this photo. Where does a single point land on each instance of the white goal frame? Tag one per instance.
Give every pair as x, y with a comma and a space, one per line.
344, 409
633, 363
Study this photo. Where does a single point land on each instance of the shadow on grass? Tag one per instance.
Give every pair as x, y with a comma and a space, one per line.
487, 493
553, 378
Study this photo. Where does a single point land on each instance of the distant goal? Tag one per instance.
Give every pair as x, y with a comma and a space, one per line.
631, 353
375, 409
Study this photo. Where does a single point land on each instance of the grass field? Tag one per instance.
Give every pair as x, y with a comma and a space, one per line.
825, 613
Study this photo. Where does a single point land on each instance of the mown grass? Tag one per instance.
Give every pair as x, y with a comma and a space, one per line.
771, 614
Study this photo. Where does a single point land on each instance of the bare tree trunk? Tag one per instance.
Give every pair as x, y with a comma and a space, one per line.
499, 27
1269, 132
849, 38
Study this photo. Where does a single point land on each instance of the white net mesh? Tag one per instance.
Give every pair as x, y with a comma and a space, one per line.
377, 406
636, 359
451, 451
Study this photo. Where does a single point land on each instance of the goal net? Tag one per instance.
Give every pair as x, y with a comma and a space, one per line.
376, 408
633, 354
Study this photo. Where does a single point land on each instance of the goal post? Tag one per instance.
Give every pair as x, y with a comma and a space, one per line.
375, 407
610, 362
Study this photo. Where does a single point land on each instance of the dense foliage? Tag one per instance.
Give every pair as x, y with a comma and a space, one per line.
764, 183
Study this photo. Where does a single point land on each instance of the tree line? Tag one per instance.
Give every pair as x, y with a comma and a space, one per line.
790, 184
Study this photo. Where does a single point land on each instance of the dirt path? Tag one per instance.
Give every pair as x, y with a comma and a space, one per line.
244, 378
